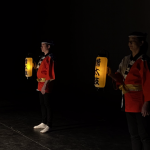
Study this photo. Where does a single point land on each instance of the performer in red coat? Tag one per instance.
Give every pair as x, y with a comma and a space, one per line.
45, 77
133, 79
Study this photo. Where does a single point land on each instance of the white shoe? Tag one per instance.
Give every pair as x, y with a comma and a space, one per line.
45, 129
42, 125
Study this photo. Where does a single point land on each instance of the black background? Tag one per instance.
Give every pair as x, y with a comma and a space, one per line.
81, 30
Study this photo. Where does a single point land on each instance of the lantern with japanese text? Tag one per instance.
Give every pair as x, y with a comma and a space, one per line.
100, 72
29, 65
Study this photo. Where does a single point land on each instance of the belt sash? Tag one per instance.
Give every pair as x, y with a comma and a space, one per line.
130, 87
41, 80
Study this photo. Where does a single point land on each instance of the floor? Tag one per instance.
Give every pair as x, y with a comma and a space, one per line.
73, 129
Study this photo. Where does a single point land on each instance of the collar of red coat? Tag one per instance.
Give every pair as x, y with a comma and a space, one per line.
144, 58
136, 56
50, 54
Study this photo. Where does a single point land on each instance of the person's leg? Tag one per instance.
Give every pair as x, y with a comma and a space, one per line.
43, 108
144, 130
133, 130
48, 105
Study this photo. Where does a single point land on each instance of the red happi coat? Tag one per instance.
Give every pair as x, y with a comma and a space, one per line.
46, 70
135, 71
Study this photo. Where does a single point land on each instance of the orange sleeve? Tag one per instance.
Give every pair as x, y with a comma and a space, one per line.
50, 69
145, 75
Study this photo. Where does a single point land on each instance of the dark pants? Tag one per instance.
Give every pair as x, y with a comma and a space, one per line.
139, 129
46, 108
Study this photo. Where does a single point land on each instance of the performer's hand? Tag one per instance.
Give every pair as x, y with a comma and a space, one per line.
145, 109
43, 90
108, 71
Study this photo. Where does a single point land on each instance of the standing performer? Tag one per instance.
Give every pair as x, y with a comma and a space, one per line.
133, 78
45, 75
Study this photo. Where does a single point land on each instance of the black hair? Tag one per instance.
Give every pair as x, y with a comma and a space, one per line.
142, 37
47, 45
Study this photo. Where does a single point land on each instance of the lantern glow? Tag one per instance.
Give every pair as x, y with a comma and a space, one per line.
100, 72
28, 67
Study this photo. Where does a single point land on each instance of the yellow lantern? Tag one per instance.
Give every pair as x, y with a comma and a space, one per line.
29, 66
100, 72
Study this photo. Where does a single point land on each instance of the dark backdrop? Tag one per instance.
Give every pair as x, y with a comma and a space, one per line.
81, 30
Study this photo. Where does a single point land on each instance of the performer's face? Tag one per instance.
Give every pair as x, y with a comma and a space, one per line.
134, 43
44, 47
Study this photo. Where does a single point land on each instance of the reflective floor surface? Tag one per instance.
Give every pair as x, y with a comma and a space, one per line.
72, 130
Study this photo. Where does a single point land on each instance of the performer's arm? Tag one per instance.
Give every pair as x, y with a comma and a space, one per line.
47, 81
50, 71
145, 75
117, 77
112, 75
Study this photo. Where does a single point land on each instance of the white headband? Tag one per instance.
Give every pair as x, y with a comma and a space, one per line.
135, 36
45, 42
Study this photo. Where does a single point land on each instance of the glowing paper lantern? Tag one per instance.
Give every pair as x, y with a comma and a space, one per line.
100, 72
28, 67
